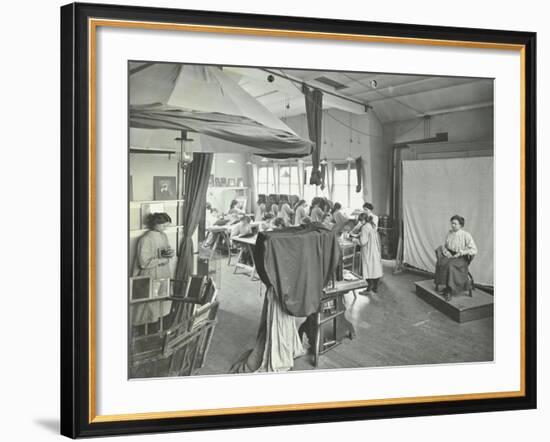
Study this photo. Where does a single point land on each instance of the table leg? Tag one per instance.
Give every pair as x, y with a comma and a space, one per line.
317, 339
251, 251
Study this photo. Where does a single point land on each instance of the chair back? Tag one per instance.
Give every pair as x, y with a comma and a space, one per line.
181, 349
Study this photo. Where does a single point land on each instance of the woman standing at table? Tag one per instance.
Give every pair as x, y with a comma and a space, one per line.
316, 212
370, 253
339, 218
260, 210
286, 213
299, 212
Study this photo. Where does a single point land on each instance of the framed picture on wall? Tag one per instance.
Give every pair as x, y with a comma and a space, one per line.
165, 188
439, 309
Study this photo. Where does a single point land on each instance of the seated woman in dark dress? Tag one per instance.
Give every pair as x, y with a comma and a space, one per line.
453, 257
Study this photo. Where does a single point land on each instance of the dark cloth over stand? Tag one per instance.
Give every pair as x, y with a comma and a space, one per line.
297, 262
452, 272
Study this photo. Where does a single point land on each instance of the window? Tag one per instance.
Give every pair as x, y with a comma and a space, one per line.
265, 180
345, 183
284, 179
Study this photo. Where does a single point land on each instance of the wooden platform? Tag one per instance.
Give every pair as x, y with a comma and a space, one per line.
460, 308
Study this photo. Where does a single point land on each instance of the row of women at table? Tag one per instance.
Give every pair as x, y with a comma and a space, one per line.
362, 230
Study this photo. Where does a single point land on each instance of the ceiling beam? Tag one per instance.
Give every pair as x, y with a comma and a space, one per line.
410, 94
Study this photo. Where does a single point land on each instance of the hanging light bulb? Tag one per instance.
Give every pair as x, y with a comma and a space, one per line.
248, 163
230, 161
324, 161
264, 160
186, 154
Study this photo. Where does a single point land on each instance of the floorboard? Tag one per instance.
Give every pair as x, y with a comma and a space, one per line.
393, 328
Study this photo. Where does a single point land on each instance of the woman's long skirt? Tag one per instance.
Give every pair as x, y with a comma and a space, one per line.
452, 273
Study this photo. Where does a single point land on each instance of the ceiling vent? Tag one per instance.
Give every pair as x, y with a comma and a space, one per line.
330, 82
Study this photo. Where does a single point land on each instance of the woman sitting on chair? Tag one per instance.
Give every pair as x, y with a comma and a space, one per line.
453, 257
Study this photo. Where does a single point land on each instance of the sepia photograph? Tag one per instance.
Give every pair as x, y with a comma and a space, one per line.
321, 220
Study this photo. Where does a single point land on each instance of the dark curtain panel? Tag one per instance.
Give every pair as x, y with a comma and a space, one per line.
359, 170
314, 114
196, 184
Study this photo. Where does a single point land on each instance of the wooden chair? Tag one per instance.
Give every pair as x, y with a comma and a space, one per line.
181, 349
349, 260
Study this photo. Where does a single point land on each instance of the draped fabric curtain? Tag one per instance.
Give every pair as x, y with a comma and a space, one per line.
196, 185
359, 171
300, 179
314, 115
275, 169
253, 180
330, 180
436, 189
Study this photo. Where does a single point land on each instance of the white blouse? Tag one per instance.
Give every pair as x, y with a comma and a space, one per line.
461, 243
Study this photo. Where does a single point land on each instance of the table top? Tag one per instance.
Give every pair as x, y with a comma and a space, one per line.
346, 286
250, 240
224, 228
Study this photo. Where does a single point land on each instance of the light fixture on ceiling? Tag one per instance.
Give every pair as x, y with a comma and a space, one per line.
324, 162
350, 159
230, 161
248, 163
264, 160
186, 154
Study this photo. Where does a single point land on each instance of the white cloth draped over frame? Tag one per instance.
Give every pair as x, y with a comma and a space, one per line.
277, 343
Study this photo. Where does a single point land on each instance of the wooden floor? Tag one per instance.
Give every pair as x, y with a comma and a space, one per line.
393, 328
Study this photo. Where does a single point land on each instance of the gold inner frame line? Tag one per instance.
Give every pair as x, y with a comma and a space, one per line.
93, 24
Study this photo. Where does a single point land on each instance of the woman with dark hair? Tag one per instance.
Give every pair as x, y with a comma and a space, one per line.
299, 212
274, 210
235, 211
279, 223
339, 218
260, 210
316, 211
453, 258
371, 258
327, 221
286, 213
153, 255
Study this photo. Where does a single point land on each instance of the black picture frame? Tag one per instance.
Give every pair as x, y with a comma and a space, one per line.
77, 417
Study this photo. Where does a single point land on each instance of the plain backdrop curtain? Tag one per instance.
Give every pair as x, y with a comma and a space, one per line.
196, 185
314, 116
433, 191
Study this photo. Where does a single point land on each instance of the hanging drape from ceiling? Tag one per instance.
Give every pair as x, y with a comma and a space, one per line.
196, 185
359, 171
236, 129
314, 116
205, 100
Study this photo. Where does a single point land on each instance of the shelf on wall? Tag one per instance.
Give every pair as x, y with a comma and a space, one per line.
229, 188
139, 150
155, 201
145, 230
